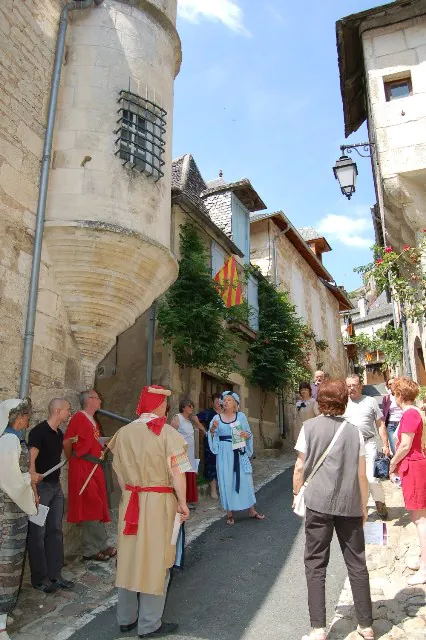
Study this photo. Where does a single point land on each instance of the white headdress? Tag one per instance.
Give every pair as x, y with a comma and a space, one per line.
5, 408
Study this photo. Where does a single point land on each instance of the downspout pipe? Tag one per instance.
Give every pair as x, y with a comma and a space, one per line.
42, 195
281, 409
151, 340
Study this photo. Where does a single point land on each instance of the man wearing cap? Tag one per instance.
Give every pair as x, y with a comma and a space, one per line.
150, 461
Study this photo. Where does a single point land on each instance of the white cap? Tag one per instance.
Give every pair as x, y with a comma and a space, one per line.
5, 408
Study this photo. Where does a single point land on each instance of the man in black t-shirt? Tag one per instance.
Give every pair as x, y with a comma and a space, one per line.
45, 546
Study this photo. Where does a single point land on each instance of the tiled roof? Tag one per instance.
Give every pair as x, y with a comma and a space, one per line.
309, 233
186, 178
380, 308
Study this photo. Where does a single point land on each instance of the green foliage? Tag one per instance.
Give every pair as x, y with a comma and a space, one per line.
387, 340
401, 273
193, 317
278, 358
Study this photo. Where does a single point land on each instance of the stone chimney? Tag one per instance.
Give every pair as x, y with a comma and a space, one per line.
362, 306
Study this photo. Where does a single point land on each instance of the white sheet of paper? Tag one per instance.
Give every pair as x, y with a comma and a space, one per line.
40, 518
196, 464
375, 533
176, 529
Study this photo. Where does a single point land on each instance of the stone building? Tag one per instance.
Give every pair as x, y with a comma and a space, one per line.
382, 65
371, 313
292, 258
220, 213
106, 251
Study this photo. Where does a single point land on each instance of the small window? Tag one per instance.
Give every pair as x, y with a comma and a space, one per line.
142, 127
398, 89
218, 257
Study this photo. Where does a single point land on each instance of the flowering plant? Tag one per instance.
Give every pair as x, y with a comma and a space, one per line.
400, 272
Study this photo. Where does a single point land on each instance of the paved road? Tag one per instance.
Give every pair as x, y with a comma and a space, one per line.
241, 583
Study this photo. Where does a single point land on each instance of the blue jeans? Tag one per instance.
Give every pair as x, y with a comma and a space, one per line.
391, 428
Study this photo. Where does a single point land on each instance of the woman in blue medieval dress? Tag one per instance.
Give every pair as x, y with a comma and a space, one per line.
234, 471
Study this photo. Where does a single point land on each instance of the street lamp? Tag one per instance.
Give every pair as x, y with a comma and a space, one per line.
345, 169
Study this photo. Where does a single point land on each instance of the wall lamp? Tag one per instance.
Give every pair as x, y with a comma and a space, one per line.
345, 169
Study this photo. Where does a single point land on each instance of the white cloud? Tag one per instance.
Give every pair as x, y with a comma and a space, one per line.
353, 232
226, 11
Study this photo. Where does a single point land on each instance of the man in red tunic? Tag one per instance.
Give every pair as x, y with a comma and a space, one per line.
91, 507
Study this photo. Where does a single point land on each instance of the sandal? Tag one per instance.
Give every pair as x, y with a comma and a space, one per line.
366, 632
230, 521
111, 552
100, 557
258, 516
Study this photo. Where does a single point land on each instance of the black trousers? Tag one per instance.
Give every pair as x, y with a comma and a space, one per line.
319, 528
45, 546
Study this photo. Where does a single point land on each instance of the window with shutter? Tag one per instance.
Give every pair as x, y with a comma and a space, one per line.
253, 300
241, 228
218, 257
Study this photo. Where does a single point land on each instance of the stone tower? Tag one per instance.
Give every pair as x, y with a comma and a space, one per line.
106, 253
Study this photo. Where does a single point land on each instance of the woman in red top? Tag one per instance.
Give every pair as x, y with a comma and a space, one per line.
410, 461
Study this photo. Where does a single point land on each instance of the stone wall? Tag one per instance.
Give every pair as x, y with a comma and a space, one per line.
27, 42
399, 126
107, 234
121, 389
314, 302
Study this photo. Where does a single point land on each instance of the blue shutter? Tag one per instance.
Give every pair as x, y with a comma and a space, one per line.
241, 228
253, 300
218, 257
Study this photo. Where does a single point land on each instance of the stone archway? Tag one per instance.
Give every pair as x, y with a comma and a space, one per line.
420, 362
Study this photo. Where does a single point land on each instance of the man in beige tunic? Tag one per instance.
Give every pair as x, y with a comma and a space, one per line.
150, 460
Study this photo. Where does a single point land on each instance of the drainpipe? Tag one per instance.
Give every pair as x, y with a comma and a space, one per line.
407, 359
280, 393
42, 195
151, 339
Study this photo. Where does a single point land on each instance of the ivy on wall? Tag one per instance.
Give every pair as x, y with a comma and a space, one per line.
387, 340
401, 272
192, 317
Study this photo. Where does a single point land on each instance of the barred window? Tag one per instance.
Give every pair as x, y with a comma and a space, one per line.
142, 127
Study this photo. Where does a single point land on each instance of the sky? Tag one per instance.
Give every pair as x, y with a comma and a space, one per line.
258, 96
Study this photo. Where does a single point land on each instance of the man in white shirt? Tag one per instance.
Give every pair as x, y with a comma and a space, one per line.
365, 413
319, 377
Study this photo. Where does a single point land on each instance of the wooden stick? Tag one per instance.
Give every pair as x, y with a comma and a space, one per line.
92, 472
159, 392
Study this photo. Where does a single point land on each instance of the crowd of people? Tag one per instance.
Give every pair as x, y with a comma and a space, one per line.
337, 430
156, 469
336, 453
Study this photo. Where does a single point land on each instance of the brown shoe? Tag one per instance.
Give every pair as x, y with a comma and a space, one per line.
382, 510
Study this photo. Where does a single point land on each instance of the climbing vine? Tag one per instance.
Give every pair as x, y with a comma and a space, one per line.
193, 317
387, 340
401, 272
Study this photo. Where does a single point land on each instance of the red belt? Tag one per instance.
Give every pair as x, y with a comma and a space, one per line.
131, 517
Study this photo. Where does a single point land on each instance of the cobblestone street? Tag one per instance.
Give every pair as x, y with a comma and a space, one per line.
399, 611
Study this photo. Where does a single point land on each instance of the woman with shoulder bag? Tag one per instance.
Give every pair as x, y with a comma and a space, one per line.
331, 469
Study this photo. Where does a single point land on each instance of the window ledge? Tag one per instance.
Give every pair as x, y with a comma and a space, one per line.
243, 329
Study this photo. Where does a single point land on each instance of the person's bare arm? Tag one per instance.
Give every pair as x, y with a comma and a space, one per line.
197, 424
298, 473
383, 433
68, 448
35, 477
179, 485
363, 486
175, 422
403, 449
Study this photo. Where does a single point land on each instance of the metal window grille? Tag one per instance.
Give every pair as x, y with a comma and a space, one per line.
141, 131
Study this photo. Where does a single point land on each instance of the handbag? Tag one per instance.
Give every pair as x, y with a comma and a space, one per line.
299, 506
381, 466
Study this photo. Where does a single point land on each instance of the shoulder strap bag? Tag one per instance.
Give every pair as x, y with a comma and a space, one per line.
299, 506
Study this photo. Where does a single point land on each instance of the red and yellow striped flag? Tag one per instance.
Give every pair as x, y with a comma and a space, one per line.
230, 288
